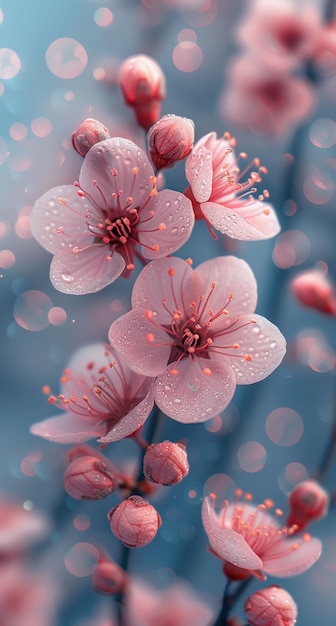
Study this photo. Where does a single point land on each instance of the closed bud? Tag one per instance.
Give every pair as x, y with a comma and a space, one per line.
143, 85
308, 502
134, 521
88, 478
87, 134
313, 290
166, 463
272, 606
170, 139
108, 577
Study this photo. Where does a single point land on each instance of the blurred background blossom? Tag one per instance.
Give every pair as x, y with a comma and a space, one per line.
58, 66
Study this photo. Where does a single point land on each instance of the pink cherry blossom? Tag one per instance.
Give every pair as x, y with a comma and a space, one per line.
221, 196
27, 597
18, 527
195, 330
250, 540
93, 227
264, 101
177, 605
100, 397
279, 35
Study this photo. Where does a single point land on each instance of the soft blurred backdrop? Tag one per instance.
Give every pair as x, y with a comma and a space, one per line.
58, 65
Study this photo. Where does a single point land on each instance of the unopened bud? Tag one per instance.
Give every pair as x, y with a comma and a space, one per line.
87, 134
270, 607
143, 85
308, 502
108, 577
166, 463
170, 139
313, 290
87, 478
134, 521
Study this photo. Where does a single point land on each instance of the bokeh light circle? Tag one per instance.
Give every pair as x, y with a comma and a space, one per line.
322, 133
57, 316
251, 456
31, 310
221, 485
7, 259
103, 17
81, 559
66, 58
291, 475
284, 426
10, 63
187, 56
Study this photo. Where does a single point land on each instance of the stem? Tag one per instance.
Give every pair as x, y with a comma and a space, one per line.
330, 449
229, 600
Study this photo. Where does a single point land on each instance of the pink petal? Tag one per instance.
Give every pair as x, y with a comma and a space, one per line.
293, 562
68, 428
231, 276
230, 222
226, 543
199, 169
175, 212
191, 395
86, 271
129, 336
132, 421
261, 348
48, 215
122, 156
154, 287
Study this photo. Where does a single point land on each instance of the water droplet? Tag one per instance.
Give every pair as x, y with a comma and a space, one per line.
67, 277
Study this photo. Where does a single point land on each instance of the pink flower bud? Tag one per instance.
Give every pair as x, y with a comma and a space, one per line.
166, 463
108, 577
315, 291
87, 134
170, 140
88, 478
272, 606
308, 502
134, 521
143, 85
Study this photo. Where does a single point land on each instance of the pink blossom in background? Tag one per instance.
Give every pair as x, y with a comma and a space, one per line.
314, 290
221, 195
281, 34
93, 227
250, 540
195, 330
27, 597
264, 101
177, 605
101, 397
19, 528
271, 606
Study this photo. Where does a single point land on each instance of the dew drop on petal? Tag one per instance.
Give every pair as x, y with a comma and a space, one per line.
251, 456
284, 426
10, 63
66, 58
81, 559
31, 310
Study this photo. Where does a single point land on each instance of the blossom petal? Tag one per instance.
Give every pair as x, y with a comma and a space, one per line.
201, 389
130, 422
231, 276
116, 165
158, 290
199, 170
253, 347
290, 561
229, 221
86, 271
227, 543
137, 339
60, 208
170, 226
68, 428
